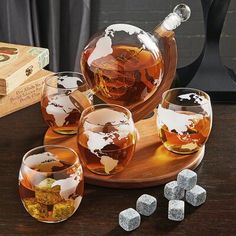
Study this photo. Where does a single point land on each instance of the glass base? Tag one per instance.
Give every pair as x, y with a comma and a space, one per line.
100, 171
179, 151
65, 131
51, 222
48, 221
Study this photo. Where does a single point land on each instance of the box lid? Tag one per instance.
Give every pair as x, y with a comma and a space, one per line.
18, 62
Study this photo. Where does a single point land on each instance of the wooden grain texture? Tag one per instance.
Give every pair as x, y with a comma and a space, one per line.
98, 213
151, 165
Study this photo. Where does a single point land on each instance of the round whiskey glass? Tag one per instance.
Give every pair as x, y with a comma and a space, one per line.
58, 109
184, 119
106, 138
51, 183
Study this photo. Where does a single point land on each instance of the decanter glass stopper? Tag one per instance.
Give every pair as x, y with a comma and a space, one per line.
183, 11
180, 14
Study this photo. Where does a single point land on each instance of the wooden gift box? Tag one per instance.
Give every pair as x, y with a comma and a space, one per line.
25, 95
18, 63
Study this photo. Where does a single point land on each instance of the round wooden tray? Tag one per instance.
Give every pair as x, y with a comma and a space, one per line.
152, 164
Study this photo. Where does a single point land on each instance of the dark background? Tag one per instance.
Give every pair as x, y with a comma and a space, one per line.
147, 14
64, 26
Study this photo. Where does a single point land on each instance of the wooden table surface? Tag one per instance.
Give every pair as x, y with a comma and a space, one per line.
98, 212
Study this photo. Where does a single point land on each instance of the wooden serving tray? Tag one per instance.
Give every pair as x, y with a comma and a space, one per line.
152, 164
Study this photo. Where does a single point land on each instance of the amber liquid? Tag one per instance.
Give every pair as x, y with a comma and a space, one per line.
128, 76
121, 152
191, 140
48, 205
71, 119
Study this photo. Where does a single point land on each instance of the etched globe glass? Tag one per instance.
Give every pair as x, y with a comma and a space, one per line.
51, 183
184, 119
125, 65
58, 110
106, 138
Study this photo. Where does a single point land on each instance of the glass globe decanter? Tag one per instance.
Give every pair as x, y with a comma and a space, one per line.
127, 66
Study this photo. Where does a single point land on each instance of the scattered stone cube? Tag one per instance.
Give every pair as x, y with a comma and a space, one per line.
46, 194
196, 196
187, 179
146, 205
37, 210
129, 219
172, 191
63, 210
176, 210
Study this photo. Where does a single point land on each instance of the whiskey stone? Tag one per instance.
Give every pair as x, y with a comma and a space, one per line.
172, 191
196, 196
187, 179
129, 219
146, 204
176, 210
36, 209
46, 194
63, 209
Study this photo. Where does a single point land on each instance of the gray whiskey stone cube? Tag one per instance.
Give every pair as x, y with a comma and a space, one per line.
129, 219
176, 210
146, 204
172, 191
186, 179
196, 196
